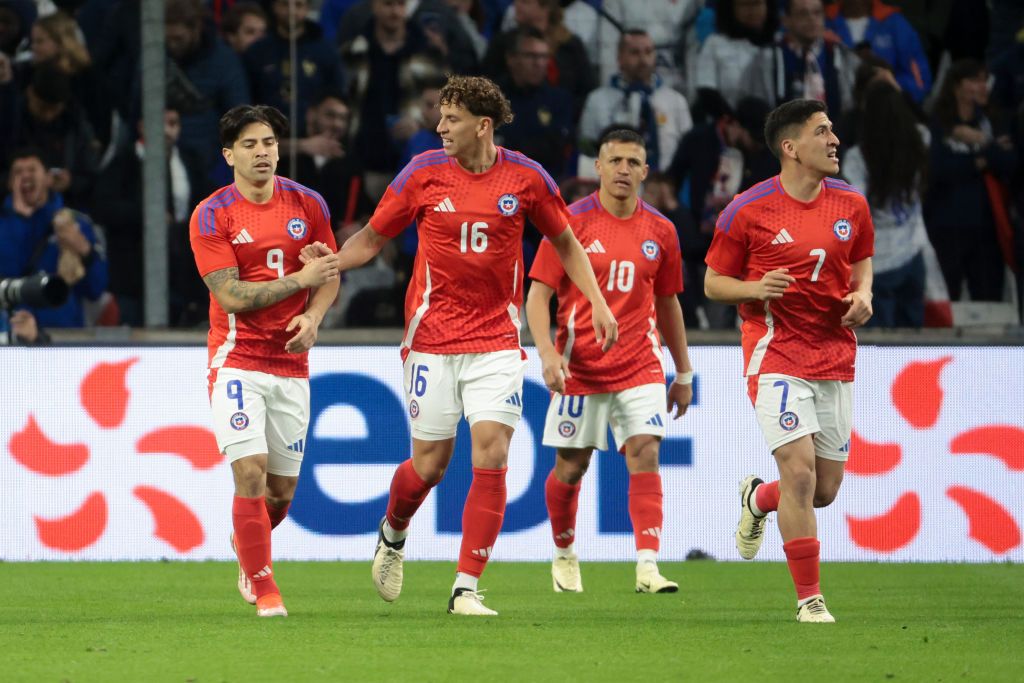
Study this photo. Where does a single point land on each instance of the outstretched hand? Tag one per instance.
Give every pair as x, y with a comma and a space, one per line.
314, 250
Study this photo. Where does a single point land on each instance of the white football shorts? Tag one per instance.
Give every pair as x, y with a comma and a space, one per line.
583, 421
255, 413
788, 407
440, 388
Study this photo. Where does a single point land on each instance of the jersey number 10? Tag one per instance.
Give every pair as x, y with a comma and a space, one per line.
620, 276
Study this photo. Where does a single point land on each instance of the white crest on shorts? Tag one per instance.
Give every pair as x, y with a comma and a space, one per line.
239, 421
414, 409
566, 428
789, 421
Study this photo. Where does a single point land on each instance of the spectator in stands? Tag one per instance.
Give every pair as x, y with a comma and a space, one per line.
268, 61
470, 15
637, 98
243, 24
967, 159
116, 55
579, 16
743, 27
807, 62
423, 124
872, 25
117, 206
21, 328
386, 64
46, 117
16, 19
889, 165
543, 124
41, 235
714, 162
569, 67
331, 12
205, 78
324, 162
434, 19
669, 23
576, 188
55, 39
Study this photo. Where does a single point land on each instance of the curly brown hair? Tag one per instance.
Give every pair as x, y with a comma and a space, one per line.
479, 96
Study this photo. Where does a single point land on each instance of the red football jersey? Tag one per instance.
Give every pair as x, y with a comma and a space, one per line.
263, 241
635, 259
467, 282
764, 229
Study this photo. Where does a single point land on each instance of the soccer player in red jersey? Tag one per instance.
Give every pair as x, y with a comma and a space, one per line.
634, 252
461, 349
263, 320
794, 253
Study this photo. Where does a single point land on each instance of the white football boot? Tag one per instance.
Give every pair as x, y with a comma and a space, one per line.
750, 530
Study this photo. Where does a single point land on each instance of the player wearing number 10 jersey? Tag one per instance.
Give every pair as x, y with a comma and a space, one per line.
461, 348
794, 252
635, 254
247, 239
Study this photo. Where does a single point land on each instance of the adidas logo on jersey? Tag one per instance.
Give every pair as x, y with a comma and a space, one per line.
783, 238
243, 238
484, 552
514, 400
596, 248
655, 421
264, 573
445, 206
298, 446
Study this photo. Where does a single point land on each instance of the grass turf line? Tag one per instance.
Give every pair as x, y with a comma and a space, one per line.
186, 622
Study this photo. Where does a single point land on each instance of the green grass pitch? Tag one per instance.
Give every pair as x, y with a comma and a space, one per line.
730, 621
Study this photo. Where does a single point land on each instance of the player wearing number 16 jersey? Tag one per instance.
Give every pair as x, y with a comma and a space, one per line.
461, 348
794, 252
635, 254
263, 319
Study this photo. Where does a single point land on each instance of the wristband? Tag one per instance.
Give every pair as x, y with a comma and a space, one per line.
684, 378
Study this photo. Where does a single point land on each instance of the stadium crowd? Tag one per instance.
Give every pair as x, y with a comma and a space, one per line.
926, 100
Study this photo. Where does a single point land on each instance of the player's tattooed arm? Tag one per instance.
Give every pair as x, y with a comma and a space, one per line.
236, 296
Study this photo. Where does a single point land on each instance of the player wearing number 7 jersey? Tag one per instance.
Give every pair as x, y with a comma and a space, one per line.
265, 309
461, 349
794, 253
635, 254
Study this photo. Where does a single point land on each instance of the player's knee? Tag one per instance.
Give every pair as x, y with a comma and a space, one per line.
799, 484
825, 493
571, 471
431, 472
644, 457
250, 476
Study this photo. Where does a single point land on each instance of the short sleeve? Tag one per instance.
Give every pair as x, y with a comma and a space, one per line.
727, 254
669, 279
211, 248
322, 231
864, 240
547, 267
547, 209
397, 208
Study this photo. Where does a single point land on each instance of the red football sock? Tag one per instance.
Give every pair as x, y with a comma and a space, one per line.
562, 501
408, 492
802, 555
481, 519
766, 497
277, 515
252, 542
645, 509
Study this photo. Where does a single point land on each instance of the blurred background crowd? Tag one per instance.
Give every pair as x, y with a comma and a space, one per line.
926, 97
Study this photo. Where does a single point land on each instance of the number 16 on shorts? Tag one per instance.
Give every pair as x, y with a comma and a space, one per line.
417, 387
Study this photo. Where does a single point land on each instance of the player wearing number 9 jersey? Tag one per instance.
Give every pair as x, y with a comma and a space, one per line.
635, 254
794, 252
263, 319
461, 348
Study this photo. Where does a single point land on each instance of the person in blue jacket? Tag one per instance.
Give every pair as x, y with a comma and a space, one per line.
886, 32
40, 235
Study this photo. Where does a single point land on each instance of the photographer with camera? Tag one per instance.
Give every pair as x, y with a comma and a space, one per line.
47, 250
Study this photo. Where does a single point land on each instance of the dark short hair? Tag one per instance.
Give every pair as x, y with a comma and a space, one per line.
620, 134
232, 21
519, 34
237, 118
327, 92
784, 118
479, 96
27, 152
630, 32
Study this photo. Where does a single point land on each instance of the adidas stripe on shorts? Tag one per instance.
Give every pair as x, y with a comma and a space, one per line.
583, 421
